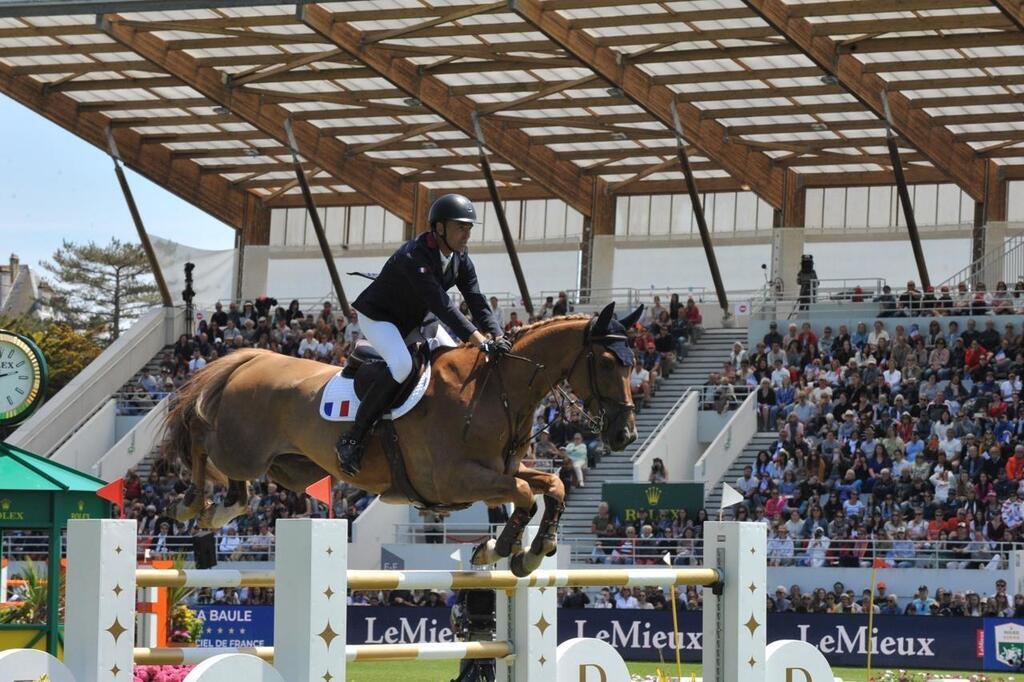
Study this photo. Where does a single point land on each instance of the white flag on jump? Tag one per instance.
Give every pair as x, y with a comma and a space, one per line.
730, 496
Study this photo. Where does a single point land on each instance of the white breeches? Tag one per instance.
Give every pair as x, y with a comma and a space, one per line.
388, 341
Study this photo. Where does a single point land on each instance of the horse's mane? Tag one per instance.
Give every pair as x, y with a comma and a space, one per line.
539, 324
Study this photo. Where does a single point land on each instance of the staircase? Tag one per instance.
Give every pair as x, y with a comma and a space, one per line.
705, 356
760, 441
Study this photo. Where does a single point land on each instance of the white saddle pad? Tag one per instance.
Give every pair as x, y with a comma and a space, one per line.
339, 402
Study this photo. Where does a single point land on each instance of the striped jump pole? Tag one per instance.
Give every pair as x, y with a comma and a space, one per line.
353, 652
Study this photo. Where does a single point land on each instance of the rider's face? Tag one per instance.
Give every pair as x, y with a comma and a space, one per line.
457, 234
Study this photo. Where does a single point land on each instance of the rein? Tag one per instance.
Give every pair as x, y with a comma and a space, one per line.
564, 401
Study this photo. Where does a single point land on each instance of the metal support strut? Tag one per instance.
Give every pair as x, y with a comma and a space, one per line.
140, 227
314, 217
698, 212
506, 234
904, 194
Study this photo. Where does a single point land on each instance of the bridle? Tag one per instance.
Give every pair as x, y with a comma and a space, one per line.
565, 402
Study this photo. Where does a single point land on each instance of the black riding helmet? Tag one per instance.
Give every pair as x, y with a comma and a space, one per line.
452, 207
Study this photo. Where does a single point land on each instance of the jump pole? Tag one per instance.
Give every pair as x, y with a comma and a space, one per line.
310, 624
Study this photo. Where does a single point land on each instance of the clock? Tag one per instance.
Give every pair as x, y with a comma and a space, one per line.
23, 375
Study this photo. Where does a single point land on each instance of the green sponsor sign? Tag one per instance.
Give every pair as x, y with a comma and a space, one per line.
22, 509
625, 500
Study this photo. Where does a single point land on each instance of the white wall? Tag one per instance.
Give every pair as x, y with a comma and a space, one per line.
307, 277
724, 450
91, 441
676, 444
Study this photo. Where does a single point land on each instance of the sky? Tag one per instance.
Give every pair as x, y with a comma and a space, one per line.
55, 186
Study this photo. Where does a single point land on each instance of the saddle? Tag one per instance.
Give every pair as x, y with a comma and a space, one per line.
365, 364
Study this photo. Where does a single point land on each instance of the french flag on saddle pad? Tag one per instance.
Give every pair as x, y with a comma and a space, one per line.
338, 409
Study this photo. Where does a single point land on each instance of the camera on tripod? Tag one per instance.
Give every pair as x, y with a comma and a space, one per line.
473, 620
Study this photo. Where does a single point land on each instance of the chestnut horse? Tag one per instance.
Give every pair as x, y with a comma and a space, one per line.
255, 412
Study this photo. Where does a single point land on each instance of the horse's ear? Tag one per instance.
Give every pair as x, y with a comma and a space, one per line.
633, 317
603, 319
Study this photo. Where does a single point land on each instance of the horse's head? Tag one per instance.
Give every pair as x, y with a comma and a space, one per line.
602, 379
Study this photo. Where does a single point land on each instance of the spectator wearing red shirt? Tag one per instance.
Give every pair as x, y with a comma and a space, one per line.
775, 506
974, 354
807, 336
1015, 465
691, 313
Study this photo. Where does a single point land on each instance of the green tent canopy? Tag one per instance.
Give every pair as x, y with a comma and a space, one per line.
38, 494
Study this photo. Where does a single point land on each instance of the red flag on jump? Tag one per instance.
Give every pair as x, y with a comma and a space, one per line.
113, 492
321, 491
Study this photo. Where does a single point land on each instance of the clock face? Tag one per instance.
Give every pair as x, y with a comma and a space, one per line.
21, 377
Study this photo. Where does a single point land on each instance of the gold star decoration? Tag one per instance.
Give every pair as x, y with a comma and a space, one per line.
542, 660
117, 590
115, 670
328, 676
542, 625
752, 662
118, 549
752, 624
753, 551
330, 551
116, 629
541, 589
328, 635
752, 588
328, 592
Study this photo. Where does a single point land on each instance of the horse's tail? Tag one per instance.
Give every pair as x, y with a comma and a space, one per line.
195, 404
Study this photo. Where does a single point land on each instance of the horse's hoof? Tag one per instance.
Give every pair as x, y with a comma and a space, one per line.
523, 564
205, 520
518, 566
484, 554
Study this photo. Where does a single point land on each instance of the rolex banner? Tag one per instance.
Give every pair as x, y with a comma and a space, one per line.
625, 500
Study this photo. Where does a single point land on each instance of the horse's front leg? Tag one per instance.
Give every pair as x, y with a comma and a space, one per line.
545, 543
500, 489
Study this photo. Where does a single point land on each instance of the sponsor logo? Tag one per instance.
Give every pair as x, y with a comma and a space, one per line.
1009, 644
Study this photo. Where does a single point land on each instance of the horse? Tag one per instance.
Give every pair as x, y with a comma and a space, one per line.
255, 412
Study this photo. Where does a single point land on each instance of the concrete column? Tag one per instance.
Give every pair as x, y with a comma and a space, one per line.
787, 248
255, 265
311, 561
602, 264
994, 266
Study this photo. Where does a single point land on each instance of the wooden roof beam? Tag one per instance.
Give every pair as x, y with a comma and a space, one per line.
513, 145
182, 177
1013, 10
957, 159
382, 185
749, 167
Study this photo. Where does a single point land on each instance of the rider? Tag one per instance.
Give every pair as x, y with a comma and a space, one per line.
413, 282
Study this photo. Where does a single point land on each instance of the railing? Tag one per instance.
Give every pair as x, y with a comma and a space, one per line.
731, 442
443, 532
831, 295
919, 554
1002, 262
72, 407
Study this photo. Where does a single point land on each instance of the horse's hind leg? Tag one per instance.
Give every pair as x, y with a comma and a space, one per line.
194, 500
233, 506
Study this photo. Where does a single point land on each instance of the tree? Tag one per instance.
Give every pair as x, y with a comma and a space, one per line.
67, 351
101, 286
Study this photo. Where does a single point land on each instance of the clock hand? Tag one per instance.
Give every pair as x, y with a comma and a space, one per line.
7, 374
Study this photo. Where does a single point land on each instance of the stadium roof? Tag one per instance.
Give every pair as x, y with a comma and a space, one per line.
575, 97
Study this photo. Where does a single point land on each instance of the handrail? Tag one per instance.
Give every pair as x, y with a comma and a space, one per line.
724, 441
1011, 252
75, 404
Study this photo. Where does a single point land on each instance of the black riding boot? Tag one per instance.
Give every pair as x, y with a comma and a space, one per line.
350, 446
